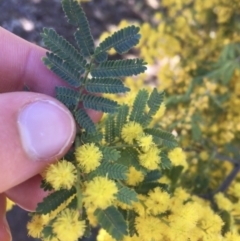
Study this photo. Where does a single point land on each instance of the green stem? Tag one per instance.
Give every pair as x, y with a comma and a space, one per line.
83, 84
79, 191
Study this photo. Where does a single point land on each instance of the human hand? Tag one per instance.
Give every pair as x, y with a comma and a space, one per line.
35, 128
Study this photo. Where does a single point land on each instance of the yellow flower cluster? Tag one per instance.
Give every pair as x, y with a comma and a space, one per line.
100, 193
180, 47
88, 157
61, 175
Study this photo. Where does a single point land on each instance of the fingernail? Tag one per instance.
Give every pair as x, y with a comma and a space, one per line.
45, 129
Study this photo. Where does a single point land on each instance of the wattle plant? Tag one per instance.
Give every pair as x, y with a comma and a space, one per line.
121, 174
111, 162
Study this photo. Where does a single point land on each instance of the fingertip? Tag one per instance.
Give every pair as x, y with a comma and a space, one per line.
35, 130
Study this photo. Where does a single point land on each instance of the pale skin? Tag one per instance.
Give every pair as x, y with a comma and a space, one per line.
20, 63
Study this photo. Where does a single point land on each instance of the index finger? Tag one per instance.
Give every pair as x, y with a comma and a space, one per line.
20, 63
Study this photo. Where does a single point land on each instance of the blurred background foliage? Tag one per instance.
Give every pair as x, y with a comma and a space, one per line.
192, 48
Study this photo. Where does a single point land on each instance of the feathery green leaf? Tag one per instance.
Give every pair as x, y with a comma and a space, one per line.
121, 41
111, 170
101, 57
99, 103
129, 157
112, 221
155, 101
121, 119
110, 154
85, 121
161, 137
94, 137
62, 69
126, 195
152, 176
67, 96
118, 68
165, 161
63, 49
109, 131
54, 200
77, 17
139, 105
84, 41
105, 85
131, 216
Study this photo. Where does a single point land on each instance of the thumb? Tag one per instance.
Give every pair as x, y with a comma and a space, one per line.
35, 130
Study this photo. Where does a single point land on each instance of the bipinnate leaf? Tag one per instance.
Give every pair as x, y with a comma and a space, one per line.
121, 41
105, 85
126, 195
77, 17
99, 103
161, 137
152, 176
94, 137
129, 157
139, 105
110, 154
109, 133
118, 68
165, 161
121, 119
111, 170
54, 200
85, 121
131, 216
84, 42
63, 69
67, 96
112, 221
63, 49
154, 101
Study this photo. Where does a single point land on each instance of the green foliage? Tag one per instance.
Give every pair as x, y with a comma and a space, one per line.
129, 157
165, 161
154, 102
162, 137
126, 195
99, 103
110, 154
152, 176
121, 118
228, 61
63, 49
74, 66
112, 221
77, 17
106, 85
131, 216
67, 96
107, 151
62, 69
139, 106
109, 129
85, 121
119, 68
111, 170
54, 200
121, 41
